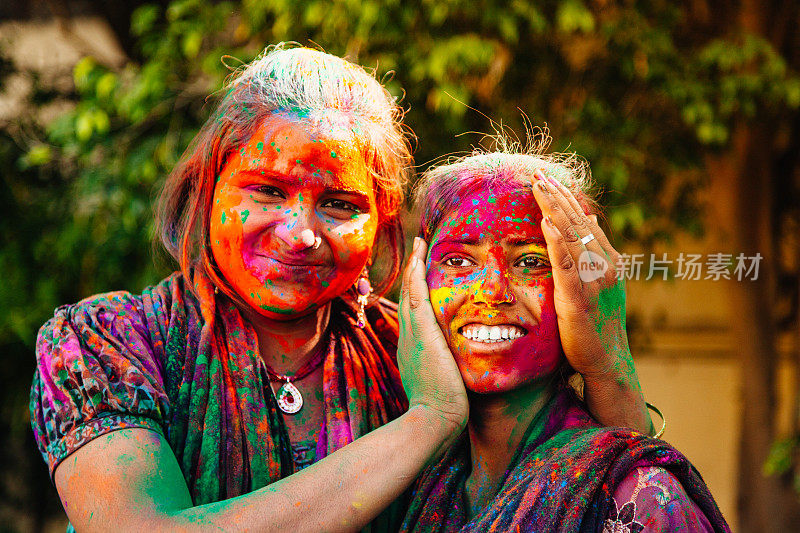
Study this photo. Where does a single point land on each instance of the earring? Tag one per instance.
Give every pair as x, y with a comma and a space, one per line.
363, 290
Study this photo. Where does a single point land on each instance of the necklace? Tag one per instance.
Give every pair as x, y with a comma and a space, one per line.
289, 398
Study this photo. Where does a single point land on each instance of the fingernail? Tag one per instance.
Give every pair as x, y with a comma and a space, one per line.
542, 186
554, 181
538, 174
415, 245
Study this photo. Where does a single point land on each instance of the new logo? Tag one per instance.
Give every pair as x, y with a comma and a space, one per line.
591, 266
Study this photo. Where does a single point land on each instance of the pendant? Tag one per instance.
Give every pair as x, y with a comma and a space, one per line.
289, 398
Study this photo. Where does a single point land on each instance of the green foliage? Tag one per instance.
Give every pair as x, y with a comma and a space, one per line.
783, 460
747, 79
623, 87
572, 16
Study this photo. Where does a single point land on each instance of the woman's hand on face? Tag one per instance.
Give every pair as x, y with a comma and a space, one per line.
589, 297
430, 375
590, 306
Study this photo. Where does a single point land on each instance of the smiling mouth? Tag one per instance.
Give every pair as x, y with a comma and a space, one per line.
492, 334
291, 263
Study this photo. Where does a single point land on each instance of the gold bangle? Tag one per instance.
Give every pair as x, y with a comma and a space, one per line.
663, 420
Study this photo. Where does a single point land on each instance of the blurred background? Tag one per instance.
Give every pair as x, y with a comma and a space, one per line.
689, 113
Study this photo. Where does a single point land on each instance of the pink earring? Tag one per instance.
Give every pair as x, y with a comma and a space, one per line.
363, 290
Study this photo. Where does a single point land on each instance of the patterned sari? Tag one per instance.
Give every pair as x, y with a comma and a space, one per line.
189, 369
562, 478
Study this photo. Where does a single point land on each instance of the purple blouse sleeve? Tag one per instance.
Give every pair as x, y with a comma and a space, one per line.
651, 499
96, 373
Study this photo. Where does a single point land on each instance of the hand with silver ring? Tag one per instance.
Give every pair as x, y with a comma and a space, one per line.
589, 297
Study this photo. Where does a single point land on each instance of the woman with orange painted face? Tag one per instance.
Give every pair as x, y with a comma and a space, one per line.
258, 387
507, 234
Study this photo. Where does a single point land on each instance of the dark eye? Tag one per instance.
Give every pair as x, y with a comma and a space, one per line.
531, 261
457, 262
269, 190
341, 205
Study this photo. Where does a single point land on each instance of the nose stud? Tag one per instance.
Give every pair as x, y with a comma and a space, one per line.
309, 239
307, 236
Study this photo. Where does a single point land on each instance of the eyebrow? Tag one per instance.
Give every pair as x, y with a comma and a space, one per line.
469, 241
353, 192
513, 240
297, 180
519, 240
269, 175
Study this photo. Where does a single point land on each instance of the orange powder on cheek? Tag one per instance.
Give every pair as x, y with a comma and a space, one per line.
226, 231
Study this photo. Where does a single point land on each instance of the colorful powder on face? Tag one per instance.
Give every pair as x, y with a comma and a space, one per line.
277, 198
488, 265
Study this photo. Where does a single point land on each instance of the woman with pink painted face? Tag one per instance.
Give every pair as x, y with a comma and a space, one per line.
507, 234
258, 387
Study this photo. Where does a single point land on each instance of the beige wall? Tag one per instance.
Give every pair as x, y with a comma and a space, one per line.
699, 396
685, 352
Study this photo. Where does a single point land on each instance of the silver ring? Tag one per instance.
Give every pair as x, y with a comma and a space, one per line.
586, 240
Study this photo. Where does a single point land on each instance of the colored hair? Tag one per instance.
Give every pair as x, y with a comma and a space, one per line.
442, 188
314, 88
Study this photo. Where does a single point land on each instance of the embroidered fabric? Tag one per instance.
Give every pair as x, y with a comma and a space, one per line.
651, 499
564, 477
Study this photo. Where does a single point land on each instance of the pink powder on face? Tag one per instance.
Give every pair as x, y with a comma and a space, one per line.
488, 266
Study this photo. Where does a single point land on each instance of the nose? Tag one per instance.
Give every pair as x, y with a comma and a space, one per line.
296, 228
495, 287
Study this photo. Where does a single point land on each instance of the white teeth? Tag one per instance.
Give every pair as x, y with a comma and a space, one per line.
491, 334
